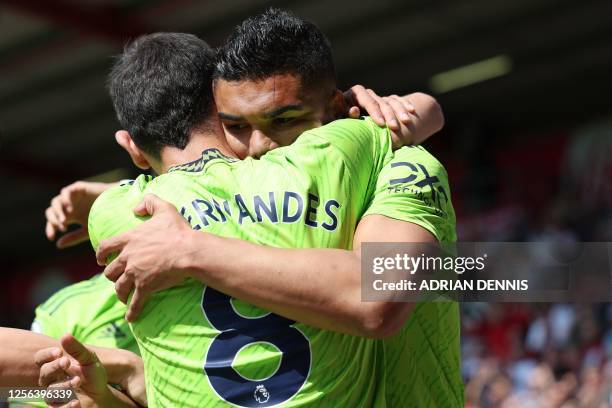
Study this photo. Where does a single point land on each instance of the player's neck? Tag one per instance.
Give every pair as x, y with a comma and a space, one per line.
199, 141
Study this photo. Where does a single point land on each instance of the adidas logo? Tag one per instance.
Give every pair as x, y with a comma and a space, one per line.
112, 330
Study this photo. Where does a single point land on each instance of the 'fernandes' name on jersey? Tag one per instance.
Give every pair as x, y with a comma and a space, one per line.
295, 207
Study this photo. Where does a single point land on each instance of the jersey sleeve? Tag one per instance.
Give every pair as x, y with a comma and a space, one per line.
413, 187
45, 324
58, 314
112, 213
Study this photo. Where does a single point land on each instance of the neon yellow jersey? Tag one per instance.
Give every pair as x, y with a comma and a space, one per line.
91, 312
202, 348
423, 360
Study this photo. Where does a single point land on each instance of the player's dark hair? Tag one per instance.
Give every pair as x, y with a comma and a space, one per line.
276, 42
161, 89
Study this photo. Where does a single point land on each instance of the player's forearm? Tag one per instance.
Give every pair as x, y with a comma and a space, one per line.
120, 365
318, 287
17, 365
427, 120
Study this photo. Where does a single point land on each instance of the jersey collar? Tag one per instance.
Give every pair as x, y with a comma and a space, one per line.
195, 166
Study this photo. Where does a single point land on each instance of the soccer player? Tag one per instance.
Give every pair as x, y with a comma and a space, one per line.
190, 330
264, 97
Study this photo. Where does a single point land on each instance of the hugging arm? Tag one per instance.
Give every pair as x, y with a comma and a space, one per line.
319, 287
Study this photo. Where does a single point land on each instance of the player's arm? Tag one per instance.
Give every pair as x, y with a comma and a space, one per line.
427, 119
412, 118
319, 287
18, 366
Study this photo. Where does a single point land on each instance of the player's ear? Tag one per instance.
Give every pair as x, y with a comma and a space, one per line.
337, 105
124, 140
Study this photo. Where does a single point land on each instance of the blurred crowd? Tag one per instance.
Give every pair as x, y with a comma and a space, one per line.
554, 189
537, 355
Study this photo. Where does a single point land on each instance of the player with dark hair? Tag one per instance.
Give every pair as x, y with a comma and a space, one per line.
134, 81
277, 41
275, 78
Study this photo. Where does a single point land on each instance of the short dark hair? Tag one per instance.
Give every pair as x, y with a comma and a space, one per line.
276, 42
161, 87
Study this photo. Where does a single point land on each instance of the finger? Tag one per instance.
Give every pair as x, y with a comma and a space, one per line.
115, 269
410, 108
52, 372
63, 385
367, 99
141, 209
52, 219
123, 287
110, 246
77, 350
75, 403
73, 238
354, 112
58, 209
49, 231
46, 355
70, 404
390, 119
65, 200
349, 96
136, 305
68, 196
399, 109
151, 205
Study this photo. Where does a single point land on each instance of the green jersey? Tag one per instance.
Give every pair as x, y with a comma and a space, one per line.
423, 360
90, 311
202, 348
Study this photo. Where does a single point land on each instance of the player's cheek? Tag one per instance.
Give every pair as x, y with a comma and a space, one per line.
290, 135
237, 145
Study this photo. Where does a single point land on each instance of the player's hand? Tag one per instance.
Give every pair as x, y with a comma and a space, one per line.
386, 110
132, 380
73, 366
148, 256
71, 206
